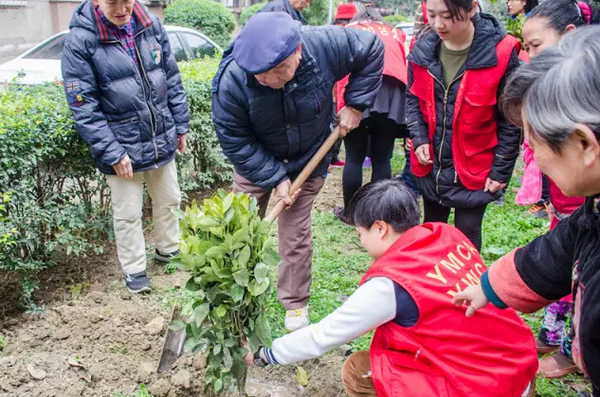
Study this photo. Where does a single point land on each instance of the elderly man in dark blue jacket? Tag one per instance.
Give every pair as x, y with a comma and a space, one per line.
292, 7
272, 108
124, 90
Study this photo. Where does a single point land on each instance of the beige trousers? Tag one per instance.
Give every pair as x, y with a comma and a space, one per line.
127, 202
295, 239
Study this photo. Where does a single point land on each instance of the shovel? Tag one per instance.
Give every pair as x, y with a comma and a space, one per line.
175, 340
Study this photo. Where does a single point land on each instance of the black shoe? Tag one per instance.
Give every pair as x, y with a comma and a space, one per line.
501, 200
166, 258
138, 282
341, 214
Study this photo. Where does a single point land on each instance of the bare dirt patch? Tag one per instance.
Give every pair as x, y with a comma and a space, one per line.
92, 338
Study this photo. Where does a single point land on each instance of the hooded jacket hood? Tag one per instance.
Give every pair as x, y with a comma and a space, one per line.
482, 54
85, 17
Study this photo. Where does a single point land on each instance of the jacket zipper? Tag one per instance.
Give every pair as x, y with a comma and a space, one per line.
446, 91
153, 118
152, 115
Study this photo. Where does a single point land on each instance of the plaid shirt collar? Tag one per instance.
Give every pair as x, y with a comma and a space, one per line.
126, 30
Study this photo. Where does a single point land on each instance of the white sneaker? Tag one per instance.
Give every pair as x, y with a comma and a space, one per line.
296, 319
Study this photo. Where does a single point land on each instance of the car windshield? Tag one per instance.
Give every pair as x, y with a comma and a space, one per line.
51, 50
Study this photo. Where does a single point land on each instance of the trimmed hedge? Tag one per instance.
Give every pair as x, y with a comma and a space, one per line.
208, 16
250, 11
203, 165
52, 198
318, 11
396, 19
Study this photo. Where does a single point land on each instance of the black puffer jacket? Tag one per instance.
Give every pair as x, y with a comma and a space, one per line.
447, 188
284, 6
270, 135
124, 109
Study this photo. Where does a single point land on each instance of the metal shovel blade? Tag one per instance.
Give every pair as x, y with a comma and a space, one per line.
173, 347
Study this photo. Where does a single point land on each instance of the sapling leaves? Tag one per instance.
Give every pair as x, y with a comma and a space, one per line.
228, 249
200, 314
242, 277
261, 272
263, 330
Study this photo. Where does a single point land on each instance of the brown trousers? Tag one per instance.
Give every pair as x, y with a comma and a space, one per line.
295, 239
356, 375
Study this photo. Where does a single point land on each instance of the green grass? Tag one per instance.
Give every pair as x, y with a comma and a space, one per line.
339, 264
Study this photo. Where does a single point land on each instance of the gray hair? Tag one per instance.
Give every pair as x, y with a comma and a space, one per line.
558, 88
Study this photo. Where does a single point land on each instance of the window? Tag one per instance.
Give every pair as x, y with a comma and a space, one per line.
176, 47
50, 50
198, 46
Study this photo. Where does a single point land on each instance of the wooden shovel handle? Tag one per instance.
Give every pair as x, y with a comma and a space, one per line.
306, 172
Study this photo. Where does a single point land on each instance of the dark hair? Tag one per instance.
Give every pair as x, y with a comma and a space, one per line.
455, 7
558, 89
518, 84
561, 13
389, 200
530, 5
341, 22
369, 14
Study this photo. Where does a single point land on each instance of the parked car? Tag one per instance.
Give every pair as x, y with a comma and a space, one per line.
42, 63
407, 28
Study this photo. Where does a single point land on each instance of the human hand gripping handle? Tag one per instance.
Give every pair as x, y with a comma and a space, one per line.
286, 197
123, 168
249, 358
282, 193
349, 119
473, 297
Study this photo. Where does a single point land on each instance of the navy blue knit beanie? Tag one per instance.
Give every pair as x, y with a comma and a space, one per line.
266, 40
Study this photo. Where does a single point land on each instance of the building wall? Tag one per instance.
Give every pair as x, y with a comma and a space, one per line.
26, 23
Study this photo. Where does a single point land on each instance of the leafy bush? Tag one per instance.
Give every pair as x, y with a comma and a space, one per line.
208, 16
396, 19
54, 191
203, 164
318, 11
248, 12
52, 198
228, 249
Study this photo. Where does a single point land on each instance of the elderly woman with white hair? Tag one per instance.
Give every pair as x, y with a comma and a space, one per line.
557, 99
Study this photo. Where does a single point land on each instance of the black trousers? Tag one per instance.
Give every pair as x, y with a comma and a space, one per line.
382, 132
467, 220
545, 190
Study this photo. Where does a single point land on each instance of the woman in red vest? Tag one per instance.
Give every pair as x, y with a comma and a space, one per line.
544, 28
464, 151
385, 120
423, 346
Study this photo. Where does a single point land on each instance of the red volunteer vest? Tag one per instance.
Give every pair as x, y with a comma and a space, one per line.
474, 128
394, 63
446, 354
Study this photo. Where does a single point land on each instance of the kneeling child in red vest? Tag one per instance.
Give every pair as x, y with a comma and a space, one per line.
423, 345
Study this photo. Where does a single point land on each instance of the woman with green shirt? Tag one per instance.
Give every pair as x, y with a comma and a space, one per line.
464, 150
